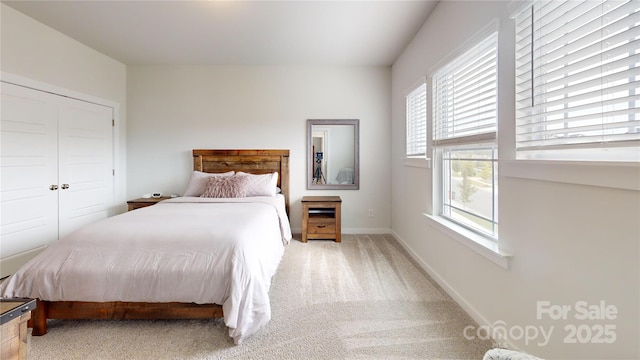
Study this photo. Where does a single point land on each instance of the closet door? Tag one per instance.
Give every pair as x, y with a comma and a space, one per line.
28, 169
85, 138
56, 169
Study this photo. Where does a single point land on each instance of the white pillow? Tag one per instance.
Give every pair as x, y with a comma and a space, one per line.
198, 182
260, 185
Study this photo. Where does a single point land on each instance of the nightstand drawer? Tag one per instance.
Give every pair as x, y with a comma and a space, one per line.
321, 226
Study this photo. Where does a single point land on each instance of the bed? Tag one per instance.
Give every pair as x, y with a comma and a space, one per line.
184, 258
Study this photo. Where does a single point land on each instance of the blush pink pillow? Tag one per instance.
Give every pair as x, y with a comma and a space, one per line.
225, 187
198, 182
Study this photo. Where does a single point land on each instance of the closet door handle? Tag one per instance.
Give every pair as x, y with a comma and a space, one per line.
53, 187
65, 186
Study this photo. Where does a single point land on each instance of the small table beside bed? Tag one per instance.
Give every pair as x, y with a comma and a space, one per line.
208, 254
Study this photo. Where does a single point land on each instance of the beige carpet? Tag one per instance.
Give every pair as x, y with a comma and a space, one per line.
361, 299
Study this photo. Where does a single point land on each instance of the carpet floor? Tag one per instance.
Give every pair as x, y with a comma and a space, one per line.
364, 298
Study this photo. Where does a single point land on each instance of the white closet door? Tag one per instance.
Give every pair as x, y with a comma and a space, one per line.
85, 163
28, 167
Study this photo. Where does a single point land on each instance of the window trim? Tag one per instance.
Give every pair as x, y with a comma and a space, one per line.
490, 250
616, 175
417, 162
486, 246
462, 233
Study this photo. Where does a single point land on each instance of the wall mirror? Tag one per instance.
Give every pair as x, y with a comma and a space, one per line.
333, 154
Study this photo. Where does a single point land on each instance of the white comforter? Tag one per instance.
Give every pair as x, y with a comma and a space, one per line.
200, 250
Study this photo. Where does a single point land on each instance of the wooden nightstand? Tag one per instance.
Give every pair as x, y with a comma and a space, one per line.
321, 218
14, 314
144, 202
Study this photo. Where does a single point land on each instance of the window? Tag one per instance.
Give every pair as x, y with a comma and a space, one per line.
469, 188
417, 121
464, 138
577, 79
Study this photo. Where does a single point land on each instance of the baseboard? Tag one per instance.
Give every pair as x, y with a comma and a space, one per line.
377, 231
464, 304
11, 264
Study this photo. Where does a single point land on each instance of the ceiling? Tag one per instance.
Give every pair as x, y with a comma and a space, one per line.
183, 32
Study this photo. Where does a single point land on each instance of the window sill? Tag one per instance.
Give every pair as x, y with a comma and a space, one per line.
418, 162
479, 244
618, 175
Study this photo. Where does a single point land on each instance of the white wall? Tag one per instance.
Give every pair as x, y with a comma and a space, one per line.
569, 242
174, 109
42, 55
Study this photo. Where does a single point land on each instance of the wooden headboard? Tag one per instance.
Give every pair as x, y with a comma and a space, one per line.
250, 161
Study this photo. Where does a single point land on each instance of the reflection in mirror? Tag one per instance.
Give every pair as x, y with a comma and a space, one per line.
332, 154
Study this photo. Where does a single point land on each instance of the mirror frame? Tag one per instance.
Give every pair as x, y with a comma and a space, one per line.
356, 153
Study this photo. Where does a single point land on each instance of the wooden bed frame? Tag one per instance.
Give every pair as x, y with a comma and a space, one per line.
211, 161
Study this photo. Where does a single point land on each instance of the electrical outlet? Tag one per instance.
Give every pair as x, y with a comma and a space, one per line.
370, 212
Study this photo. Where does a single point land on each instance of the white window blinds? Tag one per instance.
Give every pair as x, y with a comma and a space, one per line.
417, 121
577, 78
464, 99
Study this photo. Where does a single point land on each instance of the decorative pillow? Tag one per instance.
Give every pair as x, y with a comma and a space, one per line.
198, 182
225, 187
260, 185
